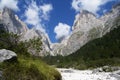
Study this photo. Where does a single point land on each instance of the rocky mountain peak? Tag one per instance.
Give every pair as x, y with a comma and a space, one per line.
11, 22
84, 21
36, 33
7, 11
85, 12
116, 6
87, 27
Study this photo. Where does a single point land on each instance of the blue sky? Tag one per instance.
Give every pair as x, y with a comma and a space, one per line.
55, 17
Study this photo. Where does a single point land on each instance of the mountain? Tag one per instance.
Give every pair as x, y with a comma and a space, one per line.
34, 33
103, 51
11, 22
23, 65
86, 28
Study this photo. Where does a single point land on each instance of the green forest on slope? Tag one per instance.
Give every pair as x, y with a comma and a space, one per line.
96, 53
26, 66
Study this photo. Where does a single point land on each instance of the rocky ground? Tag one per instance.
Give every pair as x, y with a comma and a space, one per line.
72, 74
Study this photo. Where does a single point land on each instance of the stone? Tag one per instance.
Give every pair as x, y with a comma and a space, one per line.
116, 74
6, 55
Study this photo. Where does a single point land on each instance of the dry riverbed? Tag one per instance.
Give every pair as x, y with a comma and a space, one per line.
72, 74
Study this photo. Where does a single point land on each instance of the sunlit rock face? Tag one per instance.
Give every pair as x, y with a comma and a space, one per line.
11, 22
87, 27
34, 33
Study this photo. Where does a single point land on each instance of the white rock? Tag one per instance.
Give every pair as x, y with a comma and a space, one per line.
86, 27
85, 75
6, 55
34, 33
11, 22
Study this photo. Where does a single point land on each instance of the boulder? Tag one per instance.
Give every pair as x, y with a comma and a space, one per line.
6, 55
116, 74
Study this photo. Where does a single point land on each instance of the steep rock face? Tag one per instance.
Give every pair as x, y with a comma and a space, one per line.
87, 27
111, 19
46, 47
33, 33
58, 47
11, 22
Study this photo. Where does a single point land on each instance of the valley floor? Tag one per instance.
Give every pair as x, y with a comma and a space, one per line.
72, 74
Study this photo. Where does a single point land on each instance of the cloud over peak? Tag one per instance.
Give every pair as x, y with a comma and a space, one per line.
89, 5
11, 4
62, 31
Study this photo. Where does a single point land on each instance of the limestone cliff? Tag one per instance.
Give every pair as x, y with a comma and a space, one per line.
34, 33
87, 27
11, 22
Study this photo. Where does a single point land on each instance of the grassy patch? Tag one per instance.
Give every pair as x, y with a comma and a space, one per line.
25, 67
28, 69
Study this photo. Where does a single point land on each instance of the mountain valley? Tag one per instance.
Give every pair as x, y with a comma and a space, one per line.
93, 44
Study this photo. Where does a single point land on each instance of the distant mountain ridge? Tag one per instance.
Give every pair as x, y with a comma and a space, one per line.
86, 28
104, 51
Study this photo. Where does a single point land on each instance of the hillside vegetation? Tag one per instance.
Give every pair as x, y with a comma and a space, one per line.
26, 66
99, 52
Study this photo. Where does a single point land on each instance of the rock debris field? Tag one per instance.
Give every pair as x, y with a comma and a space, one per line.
72, 74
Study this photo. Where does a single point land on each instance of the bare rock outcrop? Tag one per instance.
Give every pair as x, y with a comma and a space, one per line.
6, 55
34, 33
86, 28
11, 22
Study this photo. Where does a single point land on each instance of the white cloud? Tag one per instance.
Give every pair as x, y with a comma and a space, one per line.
89, 5
12, 4
35, 15
46, 8
62, 31
32, 14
